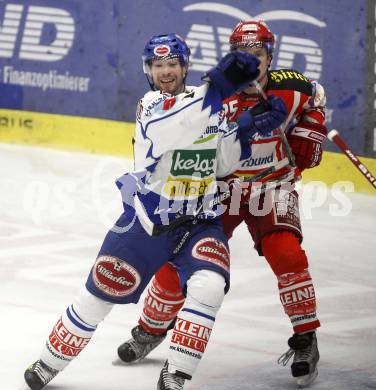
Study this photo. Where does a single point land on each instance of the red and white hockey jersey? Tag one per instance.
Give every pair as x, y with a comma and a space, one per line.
305, 102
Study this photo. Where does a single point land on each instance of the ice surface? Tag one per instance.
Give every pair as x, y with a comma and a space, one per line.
55, 208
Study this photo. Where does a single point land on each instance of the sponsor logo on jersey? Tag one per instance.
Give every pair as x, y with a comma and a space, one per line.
178, 187
280, 75
212, 131
192, 172
115, 277
204, 139
148, 109
197, 163
257, 161
189, 95
286, 211
289, 204
169, 103
212, 250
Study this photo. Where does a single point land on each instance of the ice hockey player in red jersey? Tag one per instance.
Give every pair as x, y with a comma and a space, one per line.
277, 235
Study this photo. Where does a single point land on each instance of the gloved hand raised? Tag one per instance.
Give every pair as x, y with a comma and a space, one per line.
264, 117
234, 72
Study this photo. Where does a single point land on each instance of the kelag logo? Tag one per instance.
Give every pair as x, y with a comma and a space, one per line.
193, 162
204, 39
36, 18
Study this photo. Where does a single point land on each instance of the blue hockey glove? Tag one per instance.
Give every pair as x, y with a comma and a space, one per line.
269, 115
234, 72
264, 117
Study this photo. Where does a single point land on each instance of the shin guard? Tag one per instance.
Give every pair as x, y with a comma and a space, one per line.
297, 294
74, 329
194, 324
163, 301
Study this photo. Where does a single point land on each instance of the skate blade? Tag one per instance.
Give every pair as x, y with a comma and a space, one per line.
306, 380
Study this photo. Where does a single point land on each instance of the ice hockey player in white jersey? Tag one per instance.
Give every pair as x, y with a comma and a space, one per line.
277, 234
182, 143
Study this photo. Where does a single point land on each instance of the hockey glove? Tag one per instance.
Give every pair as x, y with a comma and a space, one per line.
234, 72
306, 141
265, 117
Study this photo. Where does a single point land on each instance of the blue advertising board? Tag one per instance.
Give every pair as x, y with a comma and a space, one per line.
83, 58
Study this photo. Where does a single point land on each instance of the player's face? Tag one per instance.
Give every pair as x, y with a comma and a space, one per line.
168, 75
265, 60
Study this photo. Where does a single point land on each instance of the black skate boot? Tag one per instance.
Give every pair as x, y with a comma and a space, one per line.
306, 355
139, 346
39, 374
169, 381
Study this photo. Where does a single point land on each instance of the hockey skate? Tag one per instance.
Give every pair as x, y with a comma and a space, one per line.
39, 374
168, 381
306, 355
139, 346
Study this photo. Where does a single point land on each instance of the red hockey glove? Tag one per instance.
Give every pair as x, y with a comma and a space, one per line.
306, 141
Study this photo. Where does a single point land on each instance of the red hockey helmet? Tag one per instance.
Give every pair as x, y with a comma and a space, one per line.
253, 33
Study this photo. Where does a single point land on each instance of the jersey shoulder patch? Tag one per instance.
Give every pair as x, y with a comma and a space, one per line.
289, 79
150, 103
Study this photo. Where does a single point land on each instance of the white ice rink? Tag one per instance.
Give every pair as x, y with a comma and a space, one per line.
55, 208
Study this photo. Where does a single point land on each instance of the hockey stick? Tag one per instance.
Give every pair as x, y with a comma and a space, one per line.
189, 221
218, 199
334, 136
281, 131
155, 230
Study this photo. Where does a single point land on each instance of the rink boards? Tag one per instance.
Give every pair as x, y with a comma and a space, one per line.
102, 136
83, 58
66, 132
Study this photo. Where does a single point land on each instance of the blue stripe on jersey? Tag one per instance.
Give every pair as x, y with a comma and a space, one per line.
198, 313
80, 325
164, 117
232, 128
213, 99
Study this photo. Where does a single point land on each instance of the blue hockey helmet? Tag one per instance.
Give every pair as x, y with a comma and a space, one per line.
164, 46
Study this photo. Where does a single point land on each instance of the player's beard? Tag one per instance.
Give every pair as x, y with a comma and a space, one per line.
173, 88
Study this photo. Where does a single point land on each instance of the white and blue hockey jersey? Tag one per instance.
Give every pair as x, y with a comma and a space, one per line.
180, 148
